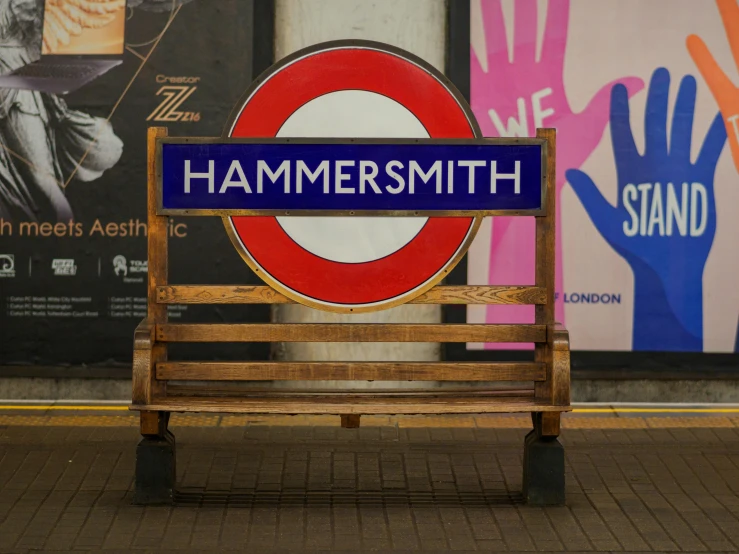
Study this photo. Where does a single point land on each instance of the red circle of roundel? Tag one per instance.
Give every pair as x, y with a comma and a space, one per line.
323, 72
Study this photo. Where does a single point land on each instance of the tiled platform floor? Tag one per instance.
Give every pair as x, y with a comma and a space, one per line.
636, 484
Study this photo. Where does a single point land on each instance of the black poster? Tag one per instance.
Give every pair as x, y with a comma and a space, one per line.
73, 261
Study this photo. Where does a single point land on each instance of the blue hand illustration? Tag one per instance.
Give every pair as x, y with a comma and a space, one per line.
665, 219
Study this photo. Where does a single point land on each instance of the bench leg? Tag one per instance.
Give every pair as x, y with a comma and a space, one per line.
350, 421
544, 463
155, 461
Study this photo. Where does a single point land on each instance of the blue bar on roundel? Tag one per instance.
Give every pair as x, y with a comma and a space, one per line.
351, 176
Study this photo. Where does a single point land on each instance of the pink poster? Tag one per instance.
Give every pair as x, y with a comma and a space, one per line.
644, 179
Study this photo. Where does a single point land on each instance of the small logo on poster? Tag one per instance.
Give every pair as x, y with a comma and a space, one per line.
119, 266
129, 270
174, 95
7, 265
64, 267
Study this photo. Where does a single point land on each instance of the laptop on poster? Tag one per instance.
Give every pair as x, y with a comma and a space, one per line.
77, 47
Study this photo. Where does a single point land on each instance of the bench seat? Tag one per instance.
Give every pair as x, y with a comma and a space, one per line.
351, 403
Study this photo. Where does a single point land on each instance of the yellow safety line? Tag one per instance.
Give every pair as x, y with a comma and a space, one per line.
117, 408
657, 410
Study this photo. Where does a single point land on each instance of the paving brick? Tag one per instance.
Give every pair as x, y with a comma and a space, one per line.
640, 485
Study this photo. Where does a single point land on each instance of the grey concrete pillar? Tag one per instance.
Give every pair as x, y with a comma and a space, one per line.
419, 27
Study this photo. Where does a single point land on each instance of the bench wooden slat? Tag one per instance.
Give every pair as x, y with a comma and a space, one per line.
344, 332
347, 371
234, 390
463, 294
348, 403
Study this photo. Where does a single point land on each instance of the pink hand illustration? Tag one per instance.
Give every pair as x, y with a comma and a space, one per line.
514, 98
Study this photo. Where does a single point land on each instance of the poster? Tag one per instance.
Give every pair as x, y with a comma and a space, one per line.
73, 259
646, 183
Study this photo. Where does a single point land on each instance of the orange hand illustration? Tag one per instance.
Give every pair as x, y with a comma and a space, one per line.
724, 91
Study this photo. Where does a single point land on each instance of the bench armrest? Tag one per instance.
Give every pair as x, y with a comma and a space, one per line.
143, 336
558, 339
145, 355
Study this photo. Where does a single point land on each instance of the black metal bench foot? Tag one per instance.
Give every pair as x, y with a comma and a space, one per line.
543, 471
155, 470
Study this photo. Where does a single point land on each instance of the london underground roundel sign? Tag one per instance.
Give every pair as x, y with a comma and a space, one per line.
352, 89
323, 148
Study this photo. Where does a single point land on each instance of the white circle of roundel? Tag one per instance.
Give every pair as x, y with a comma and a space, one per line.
352, 114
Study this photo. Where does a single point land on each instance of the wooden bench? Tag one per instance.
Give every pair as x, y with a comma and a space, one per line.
162, 386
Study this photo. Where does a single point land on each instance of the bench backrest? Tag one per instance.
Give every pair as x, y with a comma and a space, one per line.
549, 371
